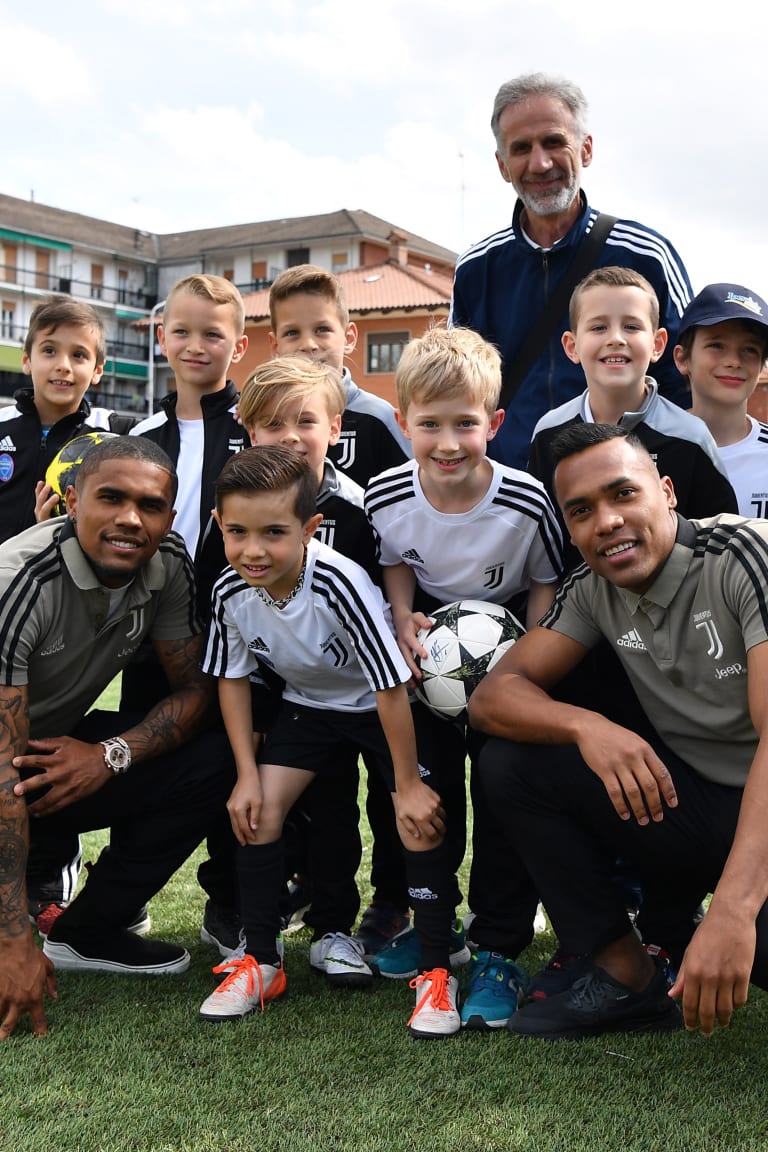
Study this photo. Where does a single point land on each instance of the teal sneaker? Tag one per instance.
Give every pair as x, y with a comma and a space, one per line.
491, 991
399, 959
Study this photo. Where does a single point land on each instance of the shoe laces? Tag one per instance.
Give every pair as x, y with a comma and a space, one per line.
436, 992
590, 992
499, 970
237, 967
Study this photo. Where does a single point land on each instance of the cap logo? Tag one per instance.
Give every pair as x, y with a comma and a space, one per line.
745, 301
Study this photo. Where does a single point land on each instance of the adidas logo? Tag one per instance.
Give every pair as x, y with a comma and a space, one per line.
632, 639
7, 445
258, 645
412, 554
56, 646
422, 894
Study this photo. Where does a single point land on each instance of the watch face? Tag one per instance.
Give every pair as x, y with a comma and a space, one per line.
116, 756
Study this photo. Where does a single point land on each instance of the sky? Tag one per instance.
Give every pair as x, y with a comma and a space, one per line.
168, 115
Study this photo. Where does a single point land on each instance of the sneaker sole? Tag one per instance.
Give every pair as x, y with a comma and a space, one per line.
240, 1015
419, 1035
64, 957
478, 1023
671, 1021
345, 979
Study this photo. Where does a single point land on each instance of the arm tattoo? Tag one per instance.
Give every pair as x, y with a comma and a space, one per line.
14, 826
184, 711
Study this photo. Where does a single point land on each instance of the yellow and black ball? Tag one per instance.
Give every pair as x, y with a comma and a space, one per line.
62, 470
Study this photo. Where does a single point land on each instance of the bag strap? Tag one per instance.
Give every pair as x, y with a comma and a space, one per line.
583, 262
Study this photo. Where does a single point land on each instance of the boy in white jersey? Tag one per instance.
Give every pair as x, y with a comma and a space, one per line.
723, 345
315, 618
455, 525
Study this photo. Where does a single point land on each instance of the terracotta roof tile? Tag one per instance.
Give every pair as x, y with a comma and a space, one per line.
376, 288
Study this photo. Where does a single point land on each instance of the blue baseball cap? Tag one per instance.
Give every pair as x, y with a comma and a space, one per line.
719, 302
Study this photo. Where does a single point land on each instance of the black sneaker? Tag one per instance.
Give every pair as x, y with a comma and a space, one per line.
597, 1003
117, 951
44, 916
560, 973
221, 927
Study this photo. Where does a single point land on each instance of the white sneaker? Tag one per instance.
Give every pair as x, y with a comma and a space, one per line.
341, 960
248, 986
435, 1014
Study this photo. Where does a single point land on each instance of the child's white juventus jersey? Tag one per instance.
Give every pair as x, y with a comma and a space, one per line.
333, 644
746, 463
492, 552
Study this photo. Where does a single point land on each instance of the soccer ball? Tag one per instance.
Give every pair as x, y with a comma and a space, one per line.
466, 640
62, 470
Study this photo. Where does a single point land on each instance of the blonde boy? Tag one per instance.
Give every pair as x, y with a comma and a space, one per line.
723, 347
615, 336
202, 334
454, 525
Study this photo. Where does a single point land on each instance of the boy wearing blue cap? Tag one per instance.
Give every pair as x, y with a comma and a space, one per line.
723, 345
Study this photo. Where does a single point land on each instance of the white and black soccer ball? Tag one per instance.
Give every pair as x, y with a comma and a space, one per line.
466, 640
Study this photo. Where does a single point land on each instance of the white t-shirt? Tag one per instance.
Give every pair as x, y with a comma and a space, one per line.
746, 463
333, 644
492, 552
191, 448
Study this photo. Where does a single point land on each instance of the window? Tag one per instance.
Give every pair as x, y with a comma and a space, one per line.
42, 269
228, 273
8, 263
295, 256
6, 320
339, 262
97, 281
258, 271
122, 286
385, 349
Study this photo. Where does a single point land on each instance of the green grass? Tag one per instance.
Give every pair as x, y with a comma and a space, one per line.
127, 1067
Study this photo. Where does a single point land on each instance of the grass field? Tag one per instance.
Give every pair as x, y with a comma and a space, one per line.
127, 1067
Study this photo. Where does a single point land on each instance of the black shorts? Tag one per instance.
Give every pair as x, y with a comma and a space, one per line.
320, 740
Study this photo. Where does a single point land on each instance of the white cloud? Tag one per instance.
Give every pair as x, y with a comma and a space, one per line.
39, 68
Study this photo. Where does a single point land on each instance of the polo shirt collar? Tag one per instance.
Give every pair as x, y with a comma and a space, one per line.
666, 585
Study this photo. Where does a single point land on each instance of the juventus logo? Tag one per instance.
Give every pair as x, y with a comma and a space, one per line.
715, 649
337, 651
326, 532
137, 624
347, 450
495, 574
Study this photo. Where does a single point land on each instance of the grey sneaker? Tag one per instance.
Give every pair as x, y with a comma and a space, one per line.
340, 959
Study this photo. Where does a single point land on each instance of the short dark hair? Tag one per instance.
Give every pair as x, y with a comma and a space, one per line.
270, 468
126, 448
55, 311
578, 437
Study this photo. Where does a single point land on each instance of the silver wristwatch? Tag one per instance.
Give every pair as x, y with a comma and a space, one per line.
117, 755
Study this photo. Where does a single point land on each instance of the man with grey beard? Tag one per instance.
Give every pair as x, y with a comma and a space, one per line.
507, 281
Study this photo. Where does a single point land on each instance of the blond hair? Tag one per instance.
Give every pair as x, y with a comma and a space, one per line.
310, 278
449, 362
282, 381
217, 289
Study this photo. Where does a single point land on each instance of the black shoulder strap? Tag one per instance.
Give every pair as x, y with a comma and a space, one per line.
583, 262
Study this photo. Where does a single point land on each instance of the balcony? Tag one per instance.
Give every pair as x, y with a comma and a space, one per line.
117, 295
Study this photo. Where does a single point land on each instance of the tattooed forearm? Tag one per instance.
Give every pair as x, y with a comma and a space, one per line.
13, 865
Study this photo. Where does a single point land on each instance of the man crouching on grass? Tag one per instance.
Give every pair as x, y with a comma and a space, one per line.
78, 594
685, 802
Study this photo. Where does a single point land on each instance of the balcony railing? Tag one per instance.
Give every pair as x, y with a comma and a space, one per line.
141, 298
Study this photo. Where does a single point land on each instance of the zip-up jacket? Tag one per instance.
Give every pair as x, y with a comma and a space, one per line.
223, 437
681, 445
502, 285
25, 452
